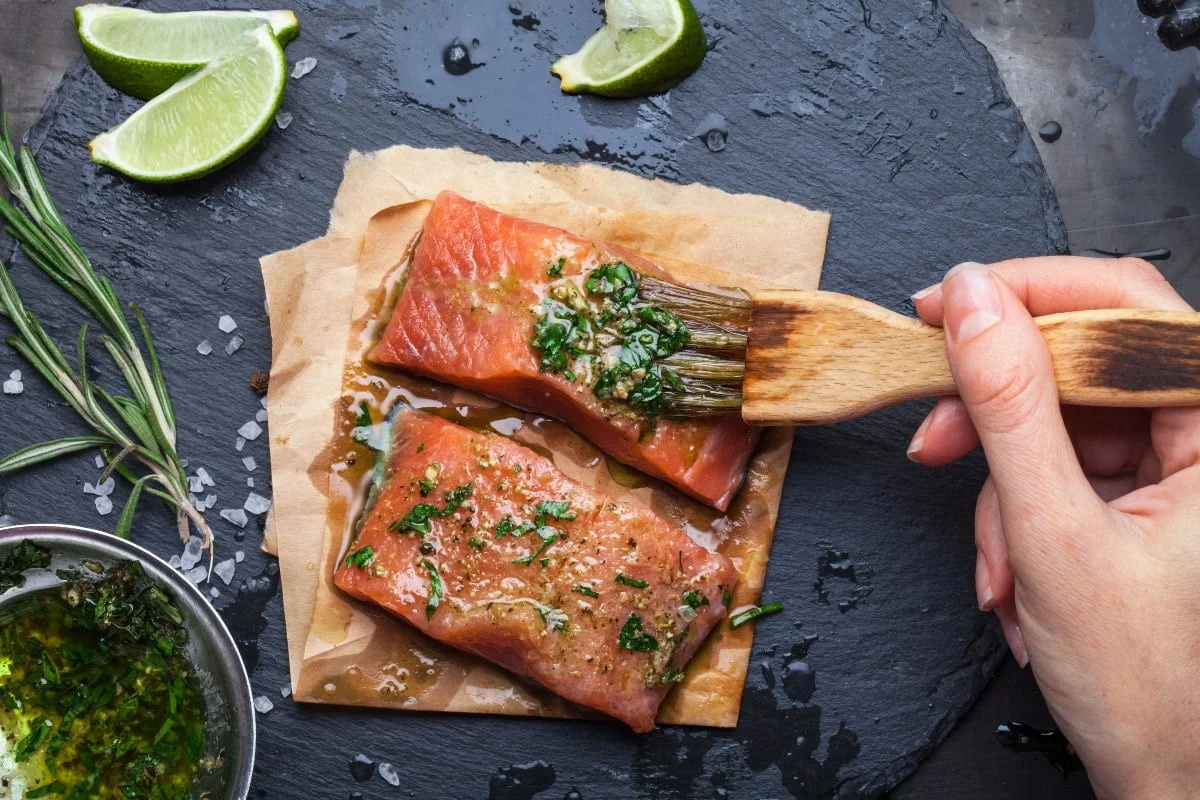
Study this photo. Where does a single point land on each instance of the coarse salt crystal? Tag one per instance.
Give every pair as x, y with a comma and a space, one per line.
214, 593
239, 444
263, 704
261, 416
249, 463
303, 67
283, 119
225, 569
204, 348
263, 402
191, 553
235, 515
249, 483
250, 431
226, 324
239, 556
174, 561
210, 500
235, 344
285, 691
256, 504
195, 485
197, 574
104, 505
13, 387
204, 477
388, 773
99, 462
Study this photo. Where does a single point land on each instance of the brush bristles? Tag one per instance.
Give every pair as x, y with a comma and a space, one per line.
722, 309
701, 367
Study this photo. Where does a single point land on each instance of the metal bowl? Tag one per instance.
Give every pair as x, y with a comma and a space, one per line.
223, 678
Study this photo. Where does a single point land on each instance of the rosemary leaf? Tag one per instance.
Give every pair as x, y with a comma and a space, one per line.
48, 451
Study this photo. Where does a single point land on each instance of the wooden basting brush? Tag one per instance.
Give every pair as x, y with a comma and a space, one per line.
810, 358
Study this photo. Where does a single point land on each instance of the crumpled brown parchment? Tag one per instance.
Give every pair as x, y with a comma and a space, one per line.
322, 298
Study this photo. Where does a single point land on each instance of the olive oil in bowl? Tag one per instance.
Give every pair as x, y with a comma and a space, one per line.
98, 697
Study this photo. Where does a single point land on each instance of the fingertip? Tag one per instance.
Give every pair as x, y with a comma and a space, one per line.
1007, 614
928, 304
946, 435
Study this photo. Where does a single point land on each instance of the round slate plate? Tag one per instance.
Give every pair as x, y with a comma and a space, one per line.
887, 114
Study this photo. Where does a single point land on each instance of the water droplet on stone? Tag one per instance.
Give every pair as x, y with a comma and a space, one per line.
799, 681
456, 58
713, 130
1050, 132
362, 768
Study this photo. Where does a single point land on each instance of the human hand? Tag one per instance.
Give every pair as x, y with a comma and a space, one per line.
1088, 528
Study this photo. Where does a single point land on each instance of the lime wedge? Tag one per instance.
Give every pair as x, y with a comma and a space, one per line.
206, 120
143, 53
645, 47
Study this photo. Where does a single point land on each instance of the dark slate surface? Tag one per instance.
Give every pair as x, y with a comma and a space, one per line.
888, 114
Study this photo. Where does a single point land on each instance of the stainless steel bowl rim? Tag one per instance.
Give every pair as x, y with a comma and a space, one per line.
211, 625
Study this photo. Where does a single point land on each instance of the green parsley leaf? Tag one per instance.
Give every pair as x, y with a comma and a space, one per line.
553, 509
634, 582
634, 637
556, 618
585, 590
726, 597
754, 613
555, 270
418, 517
693, 599
362, 558
38, 731
436, 589
549, 536
506, 527
25, 556
672, 675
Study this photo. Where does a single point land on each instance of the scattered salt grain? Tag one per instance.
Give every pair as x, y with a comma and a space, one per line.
197, 574
235, 515
204, 477
239, 556
101, 490
104, 505
303, 67
249, 483
283, 119
249, 463
256, 503
99, 462
235, 344
195, 485
239, 444
174, 561
225, 569
13, 385
210, 500
285, 691
204, 348
263, 704
214, 593
263, 402
191, 553
250, 431
226, 324
388, 773
261, 416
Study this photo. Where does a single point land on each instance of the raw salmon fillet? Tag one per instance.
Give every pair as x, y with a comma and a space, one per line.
485, 545
466, 315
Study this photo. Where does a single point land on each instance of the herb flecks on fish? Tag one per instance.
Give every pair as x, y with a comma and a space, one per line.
436, 589
612, 336
634, 637
625, 580
418, 518
362, 558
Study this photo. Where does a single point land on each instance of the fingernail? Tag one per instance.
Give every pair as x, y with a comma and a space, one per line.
1016, 642
928, 290
918, 440
983, 582
971, 300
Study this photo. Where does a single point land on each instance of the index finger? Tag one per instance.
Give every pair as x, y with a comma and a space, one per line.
1054, 284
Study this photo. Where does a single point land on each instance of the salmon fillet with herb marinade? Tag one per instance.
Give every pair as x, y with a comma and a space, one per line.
485, 545
554, 323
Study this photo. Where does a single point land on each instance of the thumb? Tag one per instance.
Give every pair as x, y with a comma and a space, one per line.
1003, 372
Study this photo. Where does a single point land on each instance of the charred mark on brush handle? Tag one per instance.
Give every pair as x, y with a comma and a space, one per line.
771, 324
1146, 356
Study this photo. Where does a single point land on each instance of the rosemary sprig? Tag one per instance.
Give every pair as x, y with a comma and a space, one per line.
137, 430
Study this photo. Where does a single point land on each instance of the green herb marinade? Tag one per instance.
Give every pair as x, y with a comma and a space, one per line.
98, 699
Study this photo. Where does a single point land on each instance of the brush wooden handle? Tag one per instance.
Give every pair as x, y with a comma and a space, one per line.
819, 357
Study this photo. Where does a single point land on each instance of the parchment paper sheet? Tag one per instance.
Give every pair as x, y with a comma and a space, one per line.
322, 294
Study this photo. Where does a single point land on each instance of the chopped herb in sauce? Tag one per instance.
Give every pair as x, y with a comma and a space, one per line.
506, 527
421, 447
555, 269
726, 597
553, 509
418, 517
549, 536
624, 579
436, 589
362, 558
672, 675
476, 543
25, 556
693, 599
426, 486
585, 590
555, 618
97, 672
634, 637
754, 613
612, 337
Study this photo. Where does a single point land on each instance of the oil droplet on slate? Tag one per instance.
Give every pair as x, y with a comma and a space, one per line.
573, 795
1051, 132
456, 58
799, 681
362, 769
713, 130
521, 781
